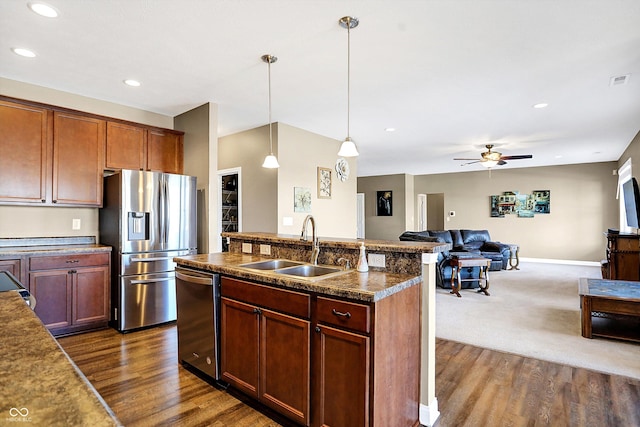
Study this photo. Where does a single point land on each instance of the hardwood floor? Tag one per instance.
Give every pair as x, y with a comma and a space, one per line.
139, 377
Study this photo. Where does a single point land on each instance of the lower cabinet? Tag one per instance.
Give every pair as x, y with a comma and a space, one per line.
265, 343
365, 358
12, 266
71, 291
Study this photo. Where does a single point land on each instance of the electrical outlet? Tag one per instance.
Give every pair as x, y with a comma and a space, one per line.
75, 224
246, 248
265, 249
377, 260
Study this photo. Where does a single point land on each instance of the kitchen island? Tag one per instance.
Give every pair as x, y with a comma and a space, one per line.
347, 349
40, 383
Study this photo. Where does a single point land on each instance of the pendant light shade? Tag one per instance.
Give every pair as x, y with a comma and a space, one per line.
270, 162
348, 147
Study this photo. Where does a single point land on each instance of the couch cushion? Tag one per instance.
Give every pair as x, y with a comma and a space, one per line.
457, 238
469, 236
442, 234
418, 236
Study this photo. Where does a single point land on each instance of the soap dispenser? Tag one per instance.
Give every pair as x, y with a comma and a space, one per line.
362, 261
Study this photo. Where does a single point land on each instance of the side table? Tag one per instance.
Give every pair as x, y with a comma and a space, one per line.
513, 254
458, 263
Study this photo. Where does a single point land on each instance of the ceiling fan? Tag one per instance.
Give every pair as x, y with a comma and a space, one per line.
490, 158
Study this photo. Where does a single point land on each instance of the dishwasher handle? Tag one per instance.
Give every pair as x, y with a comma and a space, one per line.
199, 280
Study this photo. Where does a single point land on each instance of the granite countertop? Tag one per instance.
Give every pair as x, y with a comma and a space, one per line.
41, 384
50, 246
377, 245
371, 286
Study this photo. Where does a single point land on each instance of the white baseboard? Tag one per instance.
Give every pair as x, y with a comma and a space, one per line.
561, 261
429, 414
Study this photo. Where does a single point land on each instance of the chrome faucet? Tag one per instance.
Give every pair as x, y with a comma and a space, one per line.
303, 236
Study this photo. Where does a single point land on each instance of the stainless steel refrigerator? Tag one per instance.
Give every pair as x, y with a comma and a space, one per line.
148, 218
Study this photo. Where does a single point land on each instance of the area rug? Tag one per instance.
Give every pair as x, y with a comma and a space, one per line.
534, 312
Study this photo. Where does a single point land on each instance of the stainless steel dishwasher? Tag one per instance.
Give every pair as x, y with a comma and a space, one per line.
198, 300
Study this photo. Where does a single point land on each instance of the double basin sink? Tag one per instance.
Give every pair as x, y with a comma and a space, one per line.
296, 269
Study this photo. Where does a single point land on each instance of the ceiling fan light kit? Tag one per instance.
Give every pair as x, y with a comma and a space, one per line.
489, 158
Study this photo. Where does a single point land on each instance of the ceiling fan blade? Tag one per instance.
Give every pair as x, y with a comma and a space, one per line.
461, 158
501, 162
517, 157
469, 163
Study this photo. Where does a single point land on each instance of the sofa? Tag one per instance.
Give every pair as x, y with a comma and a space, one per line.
464, 243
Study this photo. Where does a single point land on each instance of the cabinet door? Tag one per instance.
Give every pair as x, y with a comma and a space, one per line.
12, 266
25, 149
165, 152
52, 290
78, 159
240, 345
284, 365
341, 378
126, 147
90, 295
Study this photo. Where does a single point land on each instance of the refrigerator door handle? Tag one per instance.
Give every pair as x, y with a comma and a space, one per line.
150, 282
151, 259
195, 279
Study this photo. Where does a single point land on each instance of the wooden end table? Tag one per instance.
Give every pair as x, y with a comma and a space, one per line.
615, 300
459, 263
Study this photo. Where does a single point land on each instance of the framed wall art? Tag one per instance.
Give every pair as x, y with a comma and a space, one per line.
324, 183
385, 203
301, 199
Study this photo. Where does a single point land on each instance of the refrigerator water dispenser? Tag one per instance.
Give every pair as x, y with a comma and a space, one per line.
138, 225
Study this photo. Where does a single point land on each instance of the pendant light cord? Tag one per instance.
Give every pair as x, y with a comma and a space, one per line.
270, 133
348, 76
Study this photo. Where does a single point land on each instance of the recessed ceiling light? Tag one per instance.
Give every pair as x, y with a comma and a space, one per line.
390, 129
23, 52
43, 9
558, 156
131, 82
541, 105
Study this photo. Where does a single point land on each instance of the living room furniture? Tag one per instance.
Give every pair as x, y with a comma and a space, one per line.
623, 257
474, 243
610, 308
457, 264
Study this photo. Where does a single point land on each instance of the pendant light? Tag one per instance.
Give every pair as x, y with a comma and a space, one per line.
348, 147
270, 162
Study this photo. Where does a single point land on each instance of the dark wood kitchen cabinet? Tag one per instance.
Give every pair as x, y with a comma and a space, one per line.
165, 151
13, 266
71, 291
50, 157
25, 153
139, 148
265, 343
78, 159
126, 147
365, 357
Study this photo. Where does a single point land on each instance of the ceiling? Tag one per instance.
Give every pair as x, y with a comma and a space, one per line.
449, 76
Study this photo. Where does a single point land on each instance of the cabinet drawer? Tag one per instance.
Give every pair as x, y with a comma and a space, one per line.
67, 261
344, 314
294, 303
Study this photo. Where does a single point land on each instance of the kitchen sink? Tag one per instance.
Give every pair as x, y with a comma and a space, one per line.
308, 270
272, 264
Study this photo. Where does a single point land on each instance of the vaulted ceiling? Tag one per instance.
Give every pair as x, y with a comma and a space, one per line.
449, 76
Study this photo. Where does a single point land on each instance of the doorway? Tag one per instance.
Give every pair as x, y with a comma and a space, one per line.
230, 215
435, 211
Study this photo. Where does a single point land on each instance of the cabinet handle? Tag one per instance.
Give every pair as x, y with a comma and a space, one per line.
55, 201
337, 313
72, 271
257, 311
72, 261
43, 201
318, 329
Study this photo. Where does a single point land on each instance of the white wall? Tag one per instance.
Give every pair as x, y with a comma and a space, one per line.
300, 153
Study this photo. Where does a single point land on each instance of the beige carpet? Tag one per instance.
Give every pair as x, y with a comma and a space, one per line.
535, 312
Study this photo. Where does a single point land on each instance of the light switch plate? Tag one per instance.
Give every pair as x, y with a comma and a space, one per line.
376, 260
265, 249
246, 248
75, 224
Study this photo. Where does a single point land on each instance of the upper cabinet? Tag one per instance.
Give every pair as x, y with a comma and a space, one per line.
126, 147
78, 159
165, 152
136, 147
53, 156
25, 152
